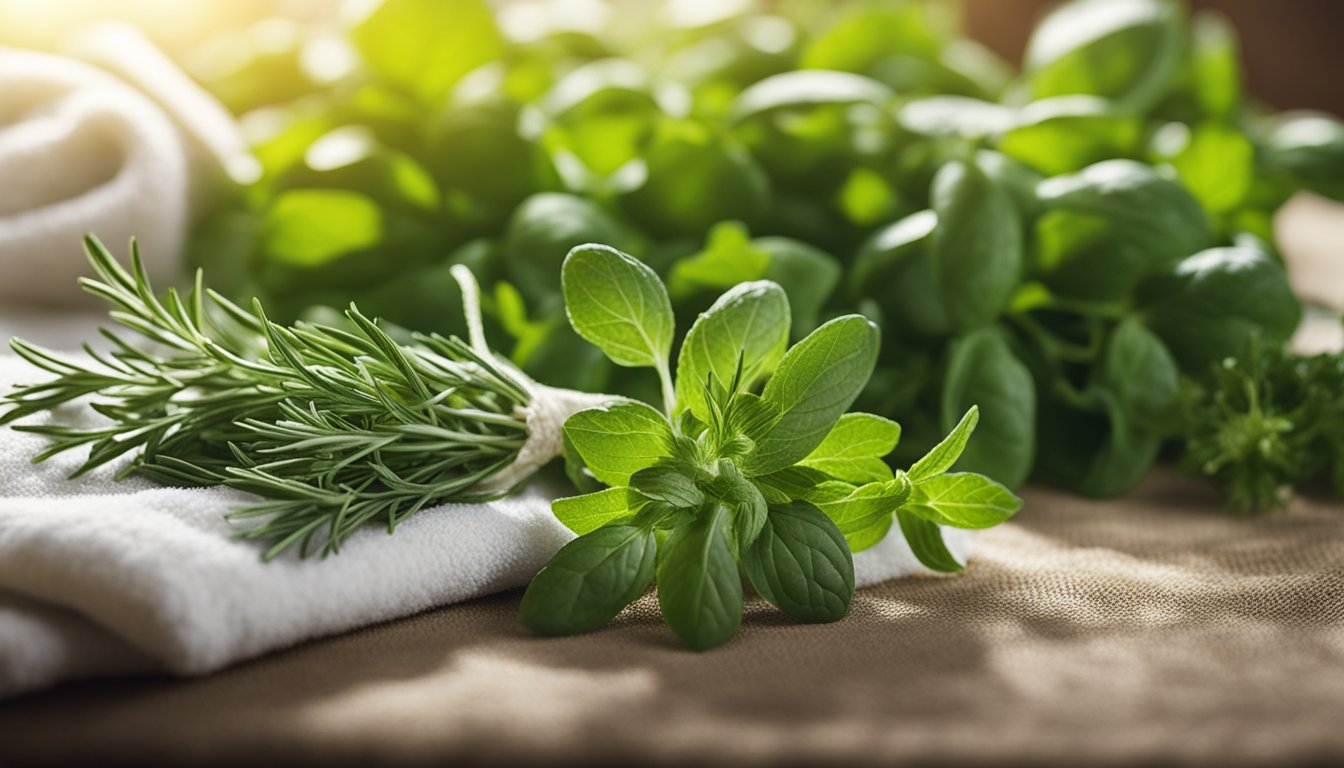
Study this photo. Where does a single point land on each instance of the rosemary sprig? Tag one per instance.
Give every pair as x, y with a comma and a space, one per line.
335, 428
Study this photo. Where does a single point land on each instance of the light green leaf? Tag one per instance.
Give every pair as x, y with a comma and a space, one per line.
946, 453
425, 46
853, 449
586, 513
699, 589
728, 258
616, 302
737, 493
615, 441
926, 541
862, 514
801, 564
590, 580
815, 384
963, 500
313, 227
749, 323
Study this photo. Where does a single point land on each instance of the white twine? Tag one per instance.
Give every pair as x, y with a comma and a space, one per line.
545, 415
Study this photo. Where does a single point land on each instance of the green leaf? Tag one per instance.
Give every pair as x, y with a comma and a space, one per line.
310, 228
1213, 303
729, 258
1139, 223
590, 580
1067, 133
748, 324
815, 384
751, 416
1216, 64
543, 229
585, 514
963, 500
789, 484
1309, 147
945, 454
615, 441
737, 493
1215, 162
801, 564
617, 303
862, 514
983, 370
807, 274
699, 589
926, 541
425, 46
977, 246
1138, 373
853, 449
955, 116
792, 90
895, 267
668, 483
1125, 50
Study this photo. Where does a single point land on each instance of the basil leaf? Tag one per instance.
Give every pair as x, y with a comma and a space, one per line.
615, 441
862, 514
955, 116
545, 227
801, 564
699, 589
425, 46
1137, 223
963, 500
945, 454
748, 324
1066, 133
617, 303
669, 484
977, 246
926, 542
590, 580
808, 275
983, 370
1139, 374
898, 262
1309, 147
802, 88
1212, 304
814, 385
853, 449
1125, 50
585, 514
1215, 162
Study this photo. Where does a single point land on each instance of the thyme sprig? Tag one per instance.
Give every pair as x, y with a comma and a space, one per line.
334, 427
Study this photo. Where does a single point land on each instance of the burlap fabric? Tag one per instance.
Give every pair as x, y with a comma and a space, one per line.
1153, 629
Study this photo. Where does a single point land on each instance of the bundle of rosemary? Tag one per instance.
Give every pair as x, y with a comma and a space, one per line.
334, 428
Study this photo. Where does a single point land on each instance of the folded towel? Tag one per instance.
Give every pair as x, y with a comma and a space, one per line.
120, 157
101, 578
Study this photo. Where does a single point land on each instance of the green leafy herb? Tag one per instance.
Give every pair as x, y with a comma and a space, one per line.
773, 480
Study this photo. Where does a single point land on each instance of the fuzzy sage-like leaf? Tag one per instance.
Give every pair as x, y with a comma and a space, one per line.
760, 472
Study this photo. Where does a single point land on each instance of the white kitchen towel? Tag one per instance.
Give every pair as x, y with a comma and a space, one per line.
82, 150
101, 578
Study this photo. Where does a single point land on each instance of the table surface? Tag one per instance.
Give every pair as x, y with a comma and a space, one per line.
1155, 628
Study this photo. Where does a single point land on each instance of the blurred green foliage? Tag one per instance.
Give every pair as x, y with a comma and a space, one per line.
1056, 245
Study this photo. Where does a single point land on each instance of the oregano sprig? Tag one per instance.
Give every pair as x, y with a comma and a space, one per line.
752, 466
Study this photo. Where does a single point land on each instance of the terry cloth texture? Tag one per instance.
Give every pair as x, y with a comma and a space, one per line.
1155, 629
130, 147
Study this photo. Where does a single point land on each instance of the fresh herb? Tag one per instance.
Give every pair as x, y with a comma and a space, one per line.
750, 467
1266, 421
334, 427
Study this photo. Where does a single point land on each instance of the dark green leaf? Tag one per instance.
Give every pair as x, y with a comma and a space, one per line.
699, 589
801, 564
590, 580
